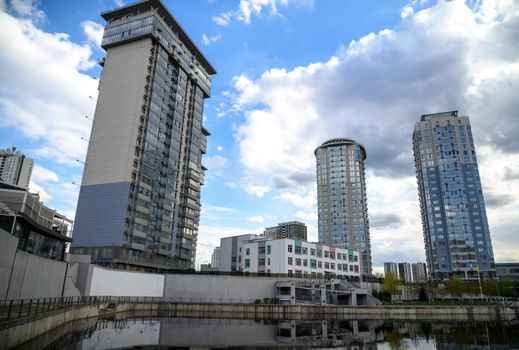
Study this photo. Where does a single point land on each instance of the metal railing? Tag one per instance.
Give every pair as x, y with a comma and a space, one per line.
15, 309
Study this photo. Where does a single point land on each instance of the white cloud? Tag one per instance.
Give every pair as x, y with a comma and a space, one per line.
248, 8
446, 57
215, 162
119, 3
93, 31
219, 148
43, 92
206, 40
257, 190
42, 174
231, 184
256, 218
26, 8
35, 188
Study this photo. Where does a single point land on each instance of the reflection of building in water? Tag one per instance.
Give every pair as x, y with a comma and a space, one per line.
351, 333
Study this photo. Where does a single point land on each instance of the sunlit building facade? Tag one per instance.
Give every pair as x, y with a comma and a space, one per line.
341, 198
454, 220
139, 203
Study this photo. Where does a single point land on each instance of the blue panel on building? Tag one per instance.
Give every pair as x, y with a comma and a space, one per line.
101, 213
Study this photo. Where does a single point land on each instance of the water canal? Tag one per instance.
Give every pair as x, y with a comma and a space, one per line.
131, 332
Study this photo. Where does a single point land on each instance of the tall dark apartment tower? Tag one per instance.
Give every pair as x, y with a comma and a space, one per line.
139, 203
454, 219
341, 198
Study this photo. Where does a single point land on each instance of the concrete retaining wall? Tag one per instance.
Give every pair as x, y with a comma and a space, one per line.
22, 331
219, 287
106, 282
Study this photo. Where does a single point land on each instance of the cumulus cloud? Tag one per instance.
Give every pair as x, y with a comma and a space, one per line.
215, 162
451, 56
93, 31
206, 40
26, 8
44, 93
249, 8
256, 218
42, 174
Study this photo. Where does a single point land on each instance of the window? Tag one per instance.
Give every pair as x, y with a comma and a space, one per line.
326, 265
247, 251
305, 262
326, 254
261, 262
319, 253
298, 249
268, 249
289, 261
268, 261
339, 266
313, 263
312, 252
247, 263
290, 248
332, 266
290, 272
339, 256
332, 255
320, 264
305, 250
298, 262
261, 250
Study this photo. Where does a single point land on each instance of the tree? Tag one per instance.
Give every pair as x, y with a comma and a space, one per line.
391, 283
422, 295
489, 287
507, 288
456, 286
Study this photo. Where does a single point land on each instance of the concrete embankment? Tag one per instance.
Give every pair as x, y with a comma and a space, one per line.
20, 331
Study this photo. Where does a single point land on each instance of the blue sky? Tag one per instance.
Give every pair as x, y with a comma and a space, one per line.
291, 74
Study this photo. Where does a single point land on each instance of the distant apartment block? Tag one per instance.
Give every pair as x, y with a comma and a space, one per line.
215, 258
405, 272
40, 230
419, 271
139, 203
291, 229
15, 168
341, 198
391, 267
454, 220
295, 257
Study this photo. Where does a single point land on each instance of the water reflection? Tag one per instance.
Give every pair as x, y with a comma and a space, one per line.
158, 333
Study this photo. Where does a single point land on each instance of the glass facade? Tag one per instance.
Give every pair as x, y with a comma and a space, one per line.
454, 221
341, 197
163, 205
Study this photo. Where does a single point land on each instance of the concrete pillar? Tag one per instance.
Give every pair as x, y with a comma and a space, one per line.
322, 289
292, 292
353, 298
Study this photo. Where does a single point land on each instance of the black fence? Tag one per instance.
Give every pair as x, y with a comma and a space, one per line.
15, 309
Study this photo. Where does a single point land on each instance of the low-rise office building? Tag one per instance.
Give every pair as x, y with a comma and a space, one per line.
295, 257
230, 252
41, 231
508, 270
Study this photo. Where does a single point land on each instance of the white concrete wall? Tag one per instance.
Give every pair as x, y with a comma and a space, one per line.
7, 254
224, 287
125, 283
36, 277
111, 149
